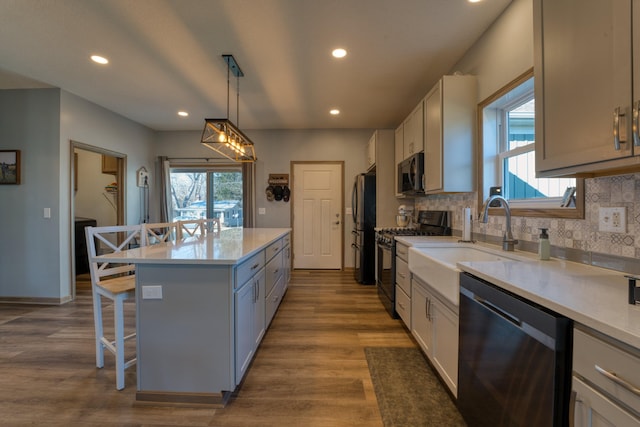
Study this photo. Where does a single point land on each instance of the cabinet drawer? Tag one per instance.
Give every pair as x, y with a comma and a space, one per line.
591, 354
273, 271
273, 249
273, 300
402, 276
403, 306
402, 251
248, 268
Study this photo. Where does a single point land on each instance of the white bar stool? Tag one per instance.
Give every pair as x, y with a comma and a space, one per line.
115, 282
161, 232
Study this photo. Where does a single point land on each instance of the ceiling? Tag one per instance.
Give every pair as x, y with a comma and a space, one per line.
165, 56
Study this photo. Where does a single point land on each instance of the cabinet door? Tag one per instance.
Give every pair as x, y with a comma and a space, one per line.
445, 344
421, 317
433, 139
244, 312
399, 155
583, 74
414, 132
371, 151
592, 409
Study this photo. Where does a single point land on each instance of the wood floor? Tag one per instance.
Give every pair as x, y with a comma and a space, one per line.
310, 369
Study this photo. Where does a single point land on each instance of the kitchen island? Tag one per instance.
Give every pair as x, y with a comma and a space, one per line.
202, 307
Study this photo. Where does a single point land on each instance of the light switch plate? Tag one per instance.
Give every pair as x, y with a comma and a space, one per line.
613, 220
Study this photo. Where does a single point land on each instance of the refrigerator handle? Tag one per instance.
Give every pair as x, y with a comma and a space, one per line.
354, 201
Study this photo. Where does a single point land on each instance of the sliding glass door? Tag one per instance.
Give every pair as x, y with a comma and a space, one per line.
212, 192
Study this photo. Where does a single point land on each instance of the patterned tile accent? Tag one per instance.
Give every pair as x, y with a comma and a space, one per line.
584, 235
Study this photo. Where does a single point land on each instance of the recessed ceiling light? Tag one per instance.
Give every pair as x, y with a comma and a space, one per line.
183, 113
339, 53
99, 59
474, 1
334, 112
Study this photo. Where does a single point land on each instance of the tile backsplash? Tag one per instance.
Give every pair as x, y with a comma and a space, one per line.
578, 234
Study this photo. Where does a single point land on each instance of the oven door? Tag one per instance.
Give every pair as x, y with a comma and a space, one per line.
385, 269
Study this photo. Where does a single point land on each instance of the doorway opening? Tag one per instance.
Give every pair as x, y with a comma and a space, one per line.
98, 199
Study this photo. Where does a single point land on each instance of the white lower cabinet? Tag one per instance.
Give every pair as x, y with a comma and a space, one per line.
434, 324
605, 382
249, 321
403, 306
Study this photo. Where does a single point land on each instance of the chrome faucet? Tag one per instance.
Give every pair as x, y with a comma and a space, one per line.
507, 238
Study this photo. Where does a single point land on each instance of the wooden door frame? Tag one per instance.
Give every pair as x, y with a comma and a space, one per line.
120, 198
292, 163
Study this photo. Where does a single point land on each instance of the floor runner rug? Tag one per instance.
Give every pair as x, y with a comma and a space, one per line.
407, 389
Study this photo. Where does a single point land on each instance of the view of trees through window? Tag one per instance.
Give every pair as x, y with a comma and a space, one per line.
199, 193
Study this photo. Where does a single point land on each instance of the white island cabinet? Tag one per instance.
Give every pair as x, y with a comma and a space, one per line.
200, 312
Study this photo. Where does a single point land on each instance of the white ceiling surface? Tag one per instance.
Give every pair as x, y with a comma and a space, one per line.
165, 56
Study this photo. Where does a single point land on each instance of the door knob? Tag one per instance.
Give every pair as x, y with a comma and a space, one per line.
337, 223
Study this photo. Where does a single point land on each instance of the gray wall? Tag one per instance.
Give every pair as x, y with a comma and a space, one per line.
275, 150
29, 255
35, 258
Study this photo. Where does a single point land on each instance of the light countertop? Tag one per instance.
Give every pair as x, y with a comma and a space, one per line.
230, 247
593, 296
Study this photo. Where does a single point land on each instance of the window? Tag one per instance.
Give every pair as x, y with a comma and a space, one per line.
507, 123
214, 192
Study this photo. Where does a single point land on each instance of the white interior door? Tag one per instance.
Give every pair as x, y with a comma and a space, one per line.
317, 215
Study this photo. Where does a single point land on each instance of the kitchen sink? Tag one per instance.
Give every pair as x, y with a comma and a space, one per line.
436, 266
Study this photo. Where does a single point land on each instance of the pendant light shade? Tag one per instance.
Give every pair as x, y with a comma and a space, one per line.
221, 135
224, 137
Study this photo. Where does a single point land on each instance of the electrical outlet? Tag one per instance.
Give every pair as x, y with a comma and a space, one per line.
152, 292
613, 220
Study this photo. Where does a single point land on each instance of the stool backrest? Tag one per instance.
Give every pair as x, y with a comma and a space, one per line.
110, 239
161, 232
211, 225
190, 228
199, 227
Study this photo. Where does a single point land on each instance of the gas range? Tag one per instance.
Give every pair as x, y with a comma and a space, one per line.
430, 223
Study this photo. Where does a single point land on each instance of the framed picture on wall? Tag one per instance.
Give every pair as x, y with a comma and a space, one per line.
9, 167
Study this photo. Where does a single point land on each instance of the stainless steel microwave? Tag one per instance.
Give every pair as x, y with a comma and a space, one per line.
411, 175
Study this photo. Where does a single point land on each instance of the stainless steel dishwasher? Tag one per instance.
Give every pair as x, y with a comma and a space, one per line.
514, 359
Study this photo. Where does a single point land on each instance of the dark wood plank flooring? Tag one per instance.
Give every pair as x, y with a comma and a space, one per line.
309, 370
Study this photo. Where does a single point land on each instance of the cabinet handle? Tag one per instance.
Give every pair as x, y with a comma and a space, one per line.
616, 128
255, 266
401, 305
620, 381
635, 124
401, 275
257, 285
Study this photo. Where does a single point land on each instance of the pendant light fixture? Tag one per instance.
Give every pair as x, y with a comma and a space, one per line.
221, 135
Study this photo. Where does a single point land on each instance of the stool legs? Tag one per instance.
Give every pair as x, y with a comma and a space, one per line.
118, 320
97, 321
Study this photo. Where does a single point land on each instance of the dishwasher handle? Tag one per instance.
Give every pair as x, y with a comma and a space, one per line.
499, 311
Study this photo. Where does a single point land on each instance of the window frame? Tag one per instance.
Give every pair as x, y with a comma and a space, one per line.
525, 209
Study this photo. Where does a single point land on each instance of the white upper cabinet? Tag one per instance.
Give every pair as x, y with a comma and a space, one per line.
386, 170
413, 136
399, 156
371, 152
449, 135
583, 88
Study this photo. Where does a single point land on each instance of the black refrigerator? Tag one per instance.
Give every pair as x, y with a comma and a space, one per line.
363, 205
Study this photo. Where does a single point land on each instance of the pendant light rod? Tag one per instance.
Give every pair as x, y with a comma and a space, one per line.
233, 67
221, 135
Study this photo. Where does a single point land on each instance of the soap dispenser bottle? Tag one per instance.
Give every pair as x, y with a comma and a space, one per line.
544, 247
